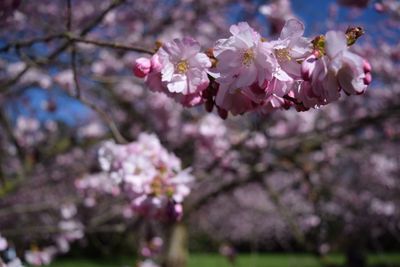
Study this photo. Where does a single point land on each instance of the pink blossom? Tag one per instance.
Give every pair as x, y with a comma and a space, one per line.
348, 66
234, 101
243, 59
325, 76
151, 176
142, 67
155, 83
184, 68
153, 79
323, 87
289, 48
254, 74
308, 66
3, 243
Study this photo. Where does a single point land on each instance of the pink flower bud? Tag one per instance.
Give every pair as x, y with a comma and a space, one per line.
142, 67
368, 78
308, 66
367, 66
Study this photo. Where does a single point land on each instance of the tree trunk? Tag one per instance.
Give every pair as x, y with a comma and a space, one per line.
355, 257
177, 251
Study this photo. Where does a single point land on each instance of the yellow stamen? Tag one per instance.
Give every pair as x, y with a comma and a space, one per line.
248, 57
157, 186
283, 54
182, 66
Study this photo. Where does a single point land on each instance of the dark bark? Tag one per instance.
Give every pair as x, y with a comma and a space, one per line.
356, 257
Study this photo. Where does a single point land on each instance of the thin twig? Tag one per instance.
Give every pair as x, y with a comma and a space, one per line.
30, 42
66, 44
69, 15
106, 118
113, 45
75, 72
10, 134
109, 121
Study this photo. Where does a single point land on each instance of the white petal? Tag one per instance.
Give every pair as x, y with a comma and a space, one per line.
178, 84
335, 42
282, 75
247, 76
167, 72
293, 29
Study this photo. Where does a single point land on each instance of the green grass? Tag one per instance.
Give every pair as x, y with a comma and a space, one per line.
244, 260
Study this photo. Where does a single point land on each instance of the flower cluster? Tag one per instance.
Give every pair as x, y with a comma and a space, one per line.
151, 176
325, 76
38, 257
70, 230
245, 72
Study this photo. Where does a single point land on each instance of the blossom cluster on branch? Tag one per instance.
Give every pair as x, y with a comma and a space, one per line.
246, 72
149, 175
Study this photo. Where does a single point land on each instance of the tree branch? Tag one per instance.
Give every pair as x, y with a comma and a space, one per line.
110, 44
65, 45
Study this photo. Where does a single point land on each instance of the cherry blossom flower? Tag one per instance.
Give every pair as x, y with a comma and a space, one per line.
289, 48
154, 81
327, 75
243, 59
184, 68
323, 87
348, 66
